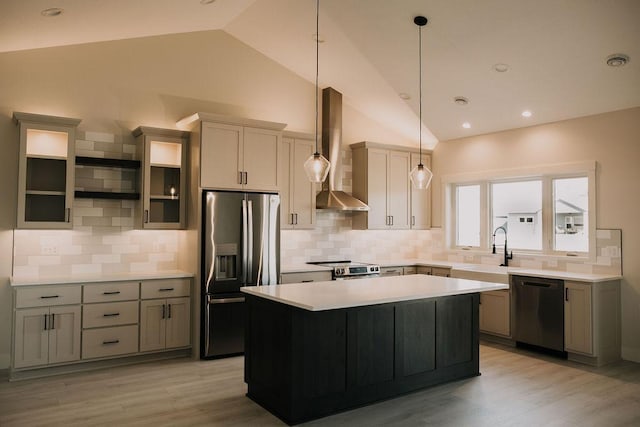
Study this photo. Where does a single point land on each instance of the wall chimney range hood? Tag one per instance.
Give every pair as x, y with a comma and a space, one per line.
332, 197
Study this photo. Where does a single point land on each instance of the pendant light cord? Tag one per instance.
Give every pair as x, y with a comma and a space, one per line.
420, 84
317, 62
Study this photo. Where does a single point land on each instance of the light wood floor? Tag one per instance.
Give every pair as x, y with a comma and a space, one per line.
517, 388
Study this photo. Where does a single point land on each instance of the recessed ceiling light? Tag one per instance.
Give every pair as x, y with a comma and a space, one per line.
207, 1
51, 12
526, 113
501, 68
318, 38
460, 100
404, 95
617, 60
466, 125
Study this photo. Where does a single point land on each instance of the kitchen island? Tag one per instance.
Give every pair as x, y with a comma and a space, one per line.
314, 349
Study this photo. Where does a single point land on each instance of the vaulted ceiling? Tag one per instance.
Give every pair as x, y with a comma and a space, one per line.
555, 51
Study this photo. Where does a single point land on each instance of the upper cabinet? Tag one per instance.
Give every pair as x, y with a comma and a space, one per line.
297, 193
46, 170
236, 153
420, 199
381, 180
164, 186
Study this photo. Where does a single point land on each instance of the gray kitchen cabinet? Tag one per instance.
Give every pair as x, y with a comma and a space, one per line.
592, 321
420, 199
165, 314
305, 277
381, 180
164, 184
236, 153
391, 271
409, 270
46, 326
297, 193
46, 170
495, 313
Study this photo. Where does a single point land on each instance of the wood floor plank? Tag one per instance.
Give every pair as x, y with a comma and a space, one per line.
516, 387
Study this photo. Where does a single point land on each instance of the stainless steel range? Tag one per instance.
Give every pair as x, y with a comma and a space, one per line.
346, 270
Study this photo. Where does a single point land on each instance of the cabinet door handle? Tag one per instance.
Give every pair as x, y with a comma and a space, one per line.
53, 321
240, 177
307, 281
291, 219
146, 216
165, 289
169, 311
163, 311
49, 296
566, 294
413, 220
246, 177
110, 342
46, 316
111, 314
111, 293
391, 218
296, 218
68, 215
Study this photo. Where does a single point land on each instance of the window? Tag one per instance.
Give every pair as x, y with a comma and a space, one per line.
548, 210
571, 214
468, 215
517, 206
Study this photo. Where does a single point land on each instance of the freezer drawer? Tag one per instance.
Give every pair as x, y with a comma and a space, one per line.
223, 326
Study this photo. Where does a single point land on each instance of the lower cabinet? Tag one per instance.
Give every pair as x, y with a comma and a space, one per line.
46, 335
391, 271
434, 271
63, 324
592, 321
164, 324
495, 312
305, 277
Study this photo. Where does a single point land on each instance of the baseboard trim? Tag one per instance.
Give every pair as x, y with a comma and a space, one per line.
83, 366
497, 339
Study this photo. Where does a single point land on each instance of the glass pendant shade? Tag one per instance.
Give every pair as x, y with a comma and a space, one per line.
420, 177
316, 167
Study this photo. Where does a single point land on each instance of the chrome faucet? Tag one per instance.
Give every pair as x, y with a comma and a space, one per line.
507, 256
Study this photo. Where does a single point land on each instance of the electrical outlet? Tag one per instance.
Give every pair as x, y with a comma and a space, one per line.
50, 250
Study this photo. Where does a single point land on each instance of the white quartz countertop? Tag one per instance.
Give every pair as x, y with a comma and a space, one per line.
93, 278
480, 268
318, 296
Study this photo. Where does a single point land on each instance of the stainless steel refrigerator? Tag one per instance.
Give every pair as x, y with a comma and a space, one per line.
241, 247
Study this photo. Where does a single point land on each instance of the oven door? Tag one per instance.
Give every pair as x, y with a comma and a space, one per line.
359, 276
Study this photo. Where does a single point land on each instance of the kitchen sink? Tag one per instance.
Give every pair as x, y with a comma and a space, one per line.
482, 272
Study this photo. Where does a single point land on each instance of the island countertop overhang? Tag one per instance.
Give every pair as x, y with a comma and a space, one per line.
333, 295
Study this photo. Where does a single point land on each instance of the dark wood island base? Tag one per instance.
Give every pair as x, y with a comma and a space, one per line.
301, 364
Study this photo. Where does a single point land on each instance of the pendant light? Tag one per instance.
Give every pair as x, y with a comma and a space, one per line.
317, 166
420, 175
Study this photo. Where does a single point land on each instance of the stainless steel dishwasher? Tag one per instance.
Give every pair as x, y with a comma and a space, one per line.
539, 311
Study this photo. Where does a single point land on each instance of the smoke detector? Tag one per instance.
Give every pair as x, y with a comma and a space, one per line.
617, 60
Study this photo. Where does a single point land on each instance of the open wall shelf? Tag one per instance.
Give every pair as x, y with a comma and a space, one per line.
114, 163
111, 195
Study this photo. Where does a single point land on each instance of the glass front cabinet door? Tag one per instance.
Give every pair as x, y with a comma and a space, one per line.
164, 189
46, 170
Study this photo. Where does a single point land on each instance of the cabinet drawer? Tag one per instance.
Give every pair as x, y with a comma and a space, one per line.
439, 271
409, 270
107, 292
165, 288
46, 296
109, 314
304, 277
109, 341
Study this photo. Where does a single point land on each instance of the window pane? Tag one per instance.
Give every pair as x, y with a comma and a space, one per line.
571, 214
517, 206
468, 215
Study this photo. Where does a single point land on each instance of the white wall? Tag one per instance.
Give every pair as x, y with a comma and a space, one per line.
116, 86
613, 140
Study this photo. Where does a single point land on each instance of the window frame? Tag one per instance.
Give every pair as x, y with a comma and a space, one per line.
545, 173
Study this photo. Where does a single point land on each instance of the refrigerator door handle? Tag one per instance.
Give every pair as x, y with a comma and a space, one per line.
245, 241
210, 244
226, 300
250, 240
